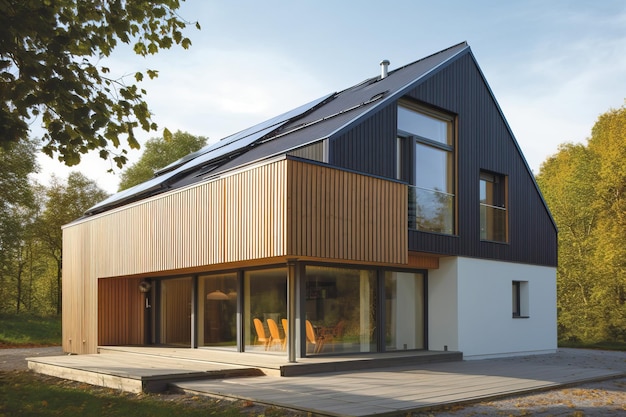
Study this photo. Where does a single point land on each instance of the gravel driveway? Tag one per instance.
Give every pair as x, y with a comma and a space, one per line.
14, 359
598, 399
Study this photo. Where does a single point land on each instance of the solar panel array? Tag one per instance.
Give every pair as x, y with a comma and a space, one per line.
213, 152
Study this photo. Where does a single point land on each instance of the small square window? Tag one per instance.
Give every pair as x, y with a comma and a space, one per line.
520, 299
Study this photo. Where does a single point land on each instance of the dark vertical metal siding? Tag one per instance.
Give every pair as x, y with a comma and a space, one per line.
484, 142
370, 147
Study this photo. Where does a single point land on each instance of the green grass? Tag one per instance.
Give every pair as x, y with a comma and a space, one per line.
26, 394
27, 330
594, 345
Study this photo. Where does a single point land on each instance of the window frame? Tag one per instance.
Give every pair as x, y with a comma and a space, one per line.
500, 181
406, 168
520, 299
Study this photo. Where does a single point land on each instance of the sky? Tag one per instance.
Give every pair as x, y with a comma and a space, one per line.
553, 66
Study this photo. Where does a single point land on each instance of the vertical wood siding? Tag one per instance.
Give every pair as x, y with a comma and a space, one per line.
120, 312
315, 151
283, 208
337, 214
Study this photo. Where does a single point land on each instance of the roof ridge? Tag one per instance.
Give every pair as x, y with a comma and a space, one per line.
464, 43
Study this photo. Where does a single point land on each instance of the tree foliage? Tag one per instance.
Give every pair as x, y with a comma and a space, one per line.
585, 187
51, 67
17, 204
65, 202
31, 217
158, 153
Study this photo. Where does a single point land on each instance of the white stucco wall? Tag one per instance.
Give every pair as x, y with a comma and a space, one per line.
443, 312
483, 317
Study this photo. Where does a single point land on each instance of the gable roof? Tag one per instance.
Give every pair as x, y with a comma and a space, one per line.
303, 125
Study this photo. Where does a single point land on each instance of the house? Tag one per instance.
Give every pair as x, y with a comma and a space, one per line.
398, 214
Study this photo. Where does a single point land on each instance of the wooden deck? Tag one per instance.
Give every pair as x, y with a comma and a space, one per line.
344, 388
400, 390
152, 369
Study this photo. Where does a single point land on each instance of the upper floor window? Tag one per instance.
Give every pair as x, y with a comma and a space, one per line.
426, 161
493, 210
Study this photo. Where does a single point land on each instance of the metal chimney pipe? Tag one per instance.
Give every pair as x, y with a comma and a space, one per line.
384, 66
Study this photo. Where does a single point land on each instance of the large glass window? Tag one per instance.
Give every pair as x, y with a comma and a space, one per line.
432, 194
265, 301
340, 310
404, 311
493, 212
217, 310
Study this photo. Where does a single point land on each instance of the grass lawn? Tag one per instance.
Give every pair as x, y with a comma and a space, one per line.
26, 330
28, 394
24, 394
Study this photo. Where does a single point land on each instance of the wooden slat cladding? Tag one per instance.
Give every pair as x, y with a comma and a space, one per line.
314, 151
283, 208
338, 214
255, 204
235, 218
76, 284
121, 311
423, 261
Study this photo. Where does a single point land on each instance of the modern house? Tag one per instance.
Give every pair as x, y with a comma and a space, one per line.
398, 214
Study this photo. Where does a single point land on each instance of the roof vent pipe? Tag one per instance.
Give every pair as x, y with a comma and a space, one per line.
384, 66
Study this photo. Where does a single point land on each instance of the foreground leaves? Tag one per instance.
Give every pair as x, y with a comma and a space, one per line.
51, 70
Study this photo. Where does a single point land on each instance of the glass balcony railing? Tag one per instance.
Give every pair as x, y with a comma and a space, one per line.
431, 210
492, 223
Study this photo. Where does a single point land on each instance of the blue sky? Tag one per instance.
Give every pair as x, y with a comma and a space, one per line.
554, 66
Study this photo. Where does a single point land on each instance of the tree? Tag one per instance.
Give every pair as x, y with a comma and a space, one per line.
585, 188
566, 181
608, 142
158, 153
51, 54
65, 203
16, 205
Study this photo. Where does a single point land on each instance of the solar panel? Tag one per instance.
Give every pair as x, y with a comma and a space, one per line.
137, 189
229, 144
227, 149
274, 122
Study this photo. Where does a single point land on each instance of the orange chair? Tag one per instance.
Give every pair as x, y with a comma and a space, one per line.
261, 338
317, 342
275, 334
286, 330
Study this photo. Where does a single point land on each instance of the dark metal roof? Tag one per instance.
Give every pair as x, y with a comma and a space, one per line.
320, 119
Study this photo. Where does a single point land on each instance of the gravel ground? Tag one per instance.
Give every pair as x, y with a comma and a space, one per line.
597, 399
14, 359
